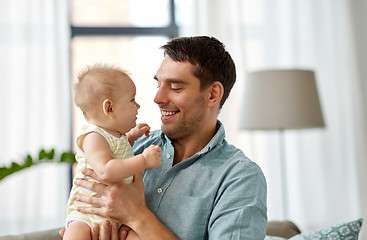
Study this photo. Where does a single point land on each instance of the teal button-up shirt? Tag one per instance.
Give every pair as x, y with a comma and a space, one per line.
216, 194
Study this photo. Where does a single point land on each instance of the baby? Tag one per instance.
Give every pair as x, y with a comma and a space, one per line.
106, 96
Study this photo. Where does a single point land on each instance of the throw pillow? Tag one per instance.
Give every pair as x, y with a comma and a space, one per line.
345, 231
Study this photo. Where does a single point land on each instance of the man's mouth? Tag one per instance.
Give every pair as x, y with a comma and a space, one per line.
167, 115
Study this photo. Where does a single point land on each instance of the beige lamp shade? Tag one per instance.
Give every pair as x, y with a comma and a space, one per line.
281, 99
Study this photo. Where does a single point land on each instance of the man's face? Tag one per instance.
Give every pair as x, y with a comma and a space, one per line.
182, 104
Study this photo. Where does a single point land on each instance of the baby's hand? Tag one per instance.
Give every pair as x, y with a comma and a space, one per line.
138, 131
152, 156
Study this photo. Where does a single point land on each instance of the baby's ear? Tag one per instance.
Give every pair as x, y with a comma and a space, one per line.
107, 107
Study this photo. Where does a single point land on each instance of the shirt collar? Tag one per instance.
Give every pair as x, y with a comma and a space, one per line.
217, 139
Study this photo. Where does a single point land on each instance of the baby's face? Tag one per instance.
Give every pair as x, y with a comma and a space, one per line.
124, 106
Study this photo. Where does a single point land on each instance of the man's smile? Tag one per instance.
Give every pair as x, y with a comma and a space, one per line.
167, 115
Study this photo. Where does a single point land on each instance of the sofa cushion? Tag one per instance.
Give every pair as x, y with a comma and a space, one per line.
349, 230
284, 229
52, 234
274, 238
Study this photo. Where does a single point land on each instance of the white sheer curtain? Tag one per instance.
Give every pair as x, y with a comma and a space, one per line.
325, 166
35, 111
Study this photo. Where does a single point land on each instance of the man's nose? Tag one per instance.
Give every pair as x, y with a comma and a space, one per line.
161, 96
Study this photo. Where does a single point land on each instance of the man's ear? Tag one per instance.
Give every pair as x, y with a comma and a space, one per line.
216, 93
107, 107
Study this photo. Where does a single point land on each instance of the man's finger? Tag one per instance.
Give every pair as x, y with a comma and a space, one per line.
94, 201
95, 187
106, 231
123, 235
62, 232
89, 210
90, 173
115, 231
95, 232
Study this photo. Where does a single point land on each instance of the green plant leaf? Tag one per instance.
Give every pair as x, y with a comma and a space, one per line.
46, 155
29, 161
4, 172
67, 157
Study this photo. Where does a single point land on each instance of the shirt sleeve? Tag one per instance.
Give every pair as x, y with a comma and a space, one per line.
240, 206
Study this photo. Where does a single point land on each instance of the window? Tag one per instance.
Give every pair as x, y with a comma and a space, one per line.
127, 33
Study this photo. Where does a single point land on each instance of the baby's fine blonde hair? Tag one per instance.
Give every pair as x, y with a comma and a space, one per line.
95, 84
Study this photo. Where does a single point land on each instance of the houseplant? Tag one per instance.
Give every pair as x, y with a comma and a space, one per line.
29, 161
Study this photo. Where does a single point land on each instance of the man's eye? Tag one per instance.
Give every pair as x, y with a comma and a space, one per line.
158, 84
176, 88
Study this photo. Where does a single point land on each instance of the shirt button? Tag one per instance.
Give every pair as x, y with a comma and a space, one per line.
168, 155
159, 190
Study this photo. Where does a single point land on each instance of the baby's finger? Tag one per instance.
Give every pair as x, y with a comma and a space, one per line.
147, 133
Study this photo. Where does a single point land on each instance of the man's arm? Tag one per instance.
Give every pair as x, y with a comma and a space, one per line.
124, 203
241, 201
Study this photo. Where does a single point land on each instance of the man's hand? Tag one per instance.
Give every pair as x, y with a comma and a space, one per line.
108, 232
118, 201
124, 203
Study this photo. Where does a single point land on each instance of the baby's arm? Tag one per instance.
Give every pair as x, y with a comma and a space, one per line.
137, 132
108, 169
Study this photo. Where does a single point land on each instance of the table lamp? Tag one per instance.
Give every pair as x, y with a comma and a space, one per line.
280, 100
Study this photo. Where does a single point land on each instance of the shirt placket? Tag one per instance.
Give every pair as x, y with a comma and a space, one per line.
168, 176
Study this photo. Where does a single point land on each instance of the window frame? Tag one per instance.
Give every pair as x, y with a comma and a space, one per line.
171, 30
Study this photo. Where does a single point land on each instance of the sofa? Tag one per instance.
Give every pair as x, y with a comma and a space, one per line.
276, 230
284, 229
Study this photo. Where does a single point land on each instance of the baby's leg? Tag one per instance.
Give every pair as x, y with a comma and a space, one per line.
77, 231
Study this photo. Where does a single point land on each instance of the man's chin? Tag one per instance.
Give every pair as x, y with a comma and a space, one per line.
168, 131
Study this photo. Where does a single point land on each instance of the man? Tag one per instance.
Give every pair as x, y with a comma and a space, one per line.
205, 188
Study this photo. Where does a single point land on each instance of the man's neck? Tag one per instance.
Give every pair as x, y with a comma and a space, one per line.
185, 148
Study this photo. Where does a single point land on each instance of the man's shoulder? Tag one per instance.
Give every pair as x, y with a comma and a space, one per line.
232, 152
235, 160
